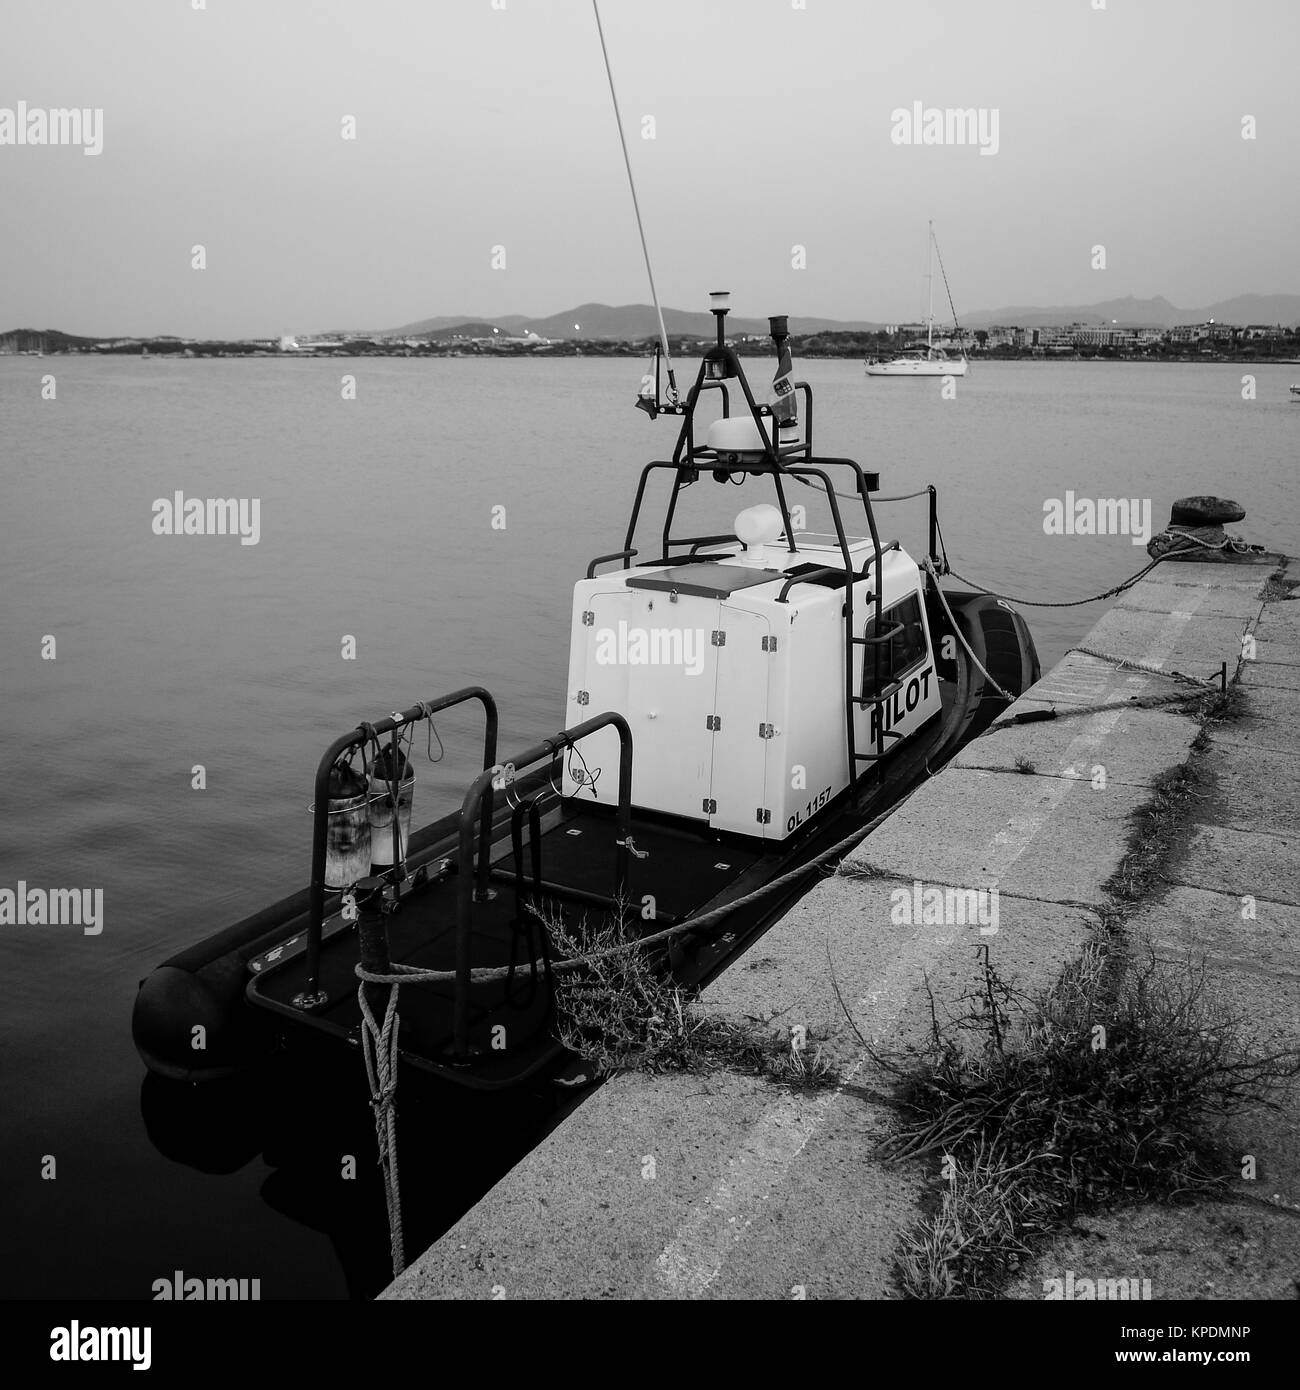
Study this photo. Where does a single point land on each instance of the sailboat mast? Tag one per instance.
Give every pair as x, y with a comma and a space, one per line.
929, 275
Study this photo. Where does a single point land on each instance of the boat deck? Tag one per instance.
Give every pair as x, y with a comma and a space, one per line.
578, 875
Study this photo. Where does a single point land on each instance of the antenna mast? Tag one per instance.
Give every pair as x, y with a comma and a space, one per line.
663, 334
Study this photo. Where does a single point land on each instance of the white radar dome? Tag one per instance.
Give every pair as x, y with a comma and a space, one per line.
736, 439
757, 527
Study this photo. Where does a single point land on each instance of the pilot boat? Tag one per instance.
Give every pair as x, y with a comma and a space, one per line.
737, 705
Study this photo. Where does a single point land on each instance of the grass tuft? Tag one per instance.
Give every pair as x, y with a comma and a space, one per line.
624, 1012
1037, 1109
1156, 827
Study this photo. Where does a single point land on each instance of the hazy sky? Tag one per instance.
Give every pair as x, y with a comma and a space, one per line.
484, 123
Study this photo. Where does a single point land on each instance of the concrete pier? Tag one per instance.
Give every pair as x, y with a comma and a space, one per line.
722, 1186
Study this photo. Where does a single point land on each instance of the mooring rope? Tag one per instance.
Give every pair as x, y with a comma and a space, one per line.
1077, 711
1127, 664
1185, 543
410, 974
379, 1048
928, 566
1234, 544
379, 1045
1073, 603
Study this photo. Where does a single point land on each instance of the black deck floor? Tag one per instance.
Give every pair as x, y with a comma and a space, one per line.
578, 860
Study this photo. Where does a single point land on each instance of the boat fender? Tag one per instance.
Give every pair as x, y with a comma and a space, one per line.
191, 1024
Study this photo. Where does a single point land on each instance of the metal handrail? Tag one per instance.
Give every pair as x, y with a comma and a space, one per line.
480, 791
605, 559
312, 997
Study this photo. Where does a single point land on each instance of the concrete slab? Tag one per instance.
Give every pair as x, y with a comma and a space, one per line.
1270, 673
1200, 923
1133, 760
1255, 731
1254, 788
1215, 1250
1173, 640
683, 1187
590, 1188
859, 935
1250, 577
1279, 650
1277, 703
1222, 1250
1168, 641
786, 1246
1050, 838
1242, 862
1279, 628
1251, 970
1157, 594
1079, 679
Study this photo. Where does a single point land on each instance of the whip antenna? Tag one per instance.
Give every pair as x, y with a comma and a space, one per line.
663, 332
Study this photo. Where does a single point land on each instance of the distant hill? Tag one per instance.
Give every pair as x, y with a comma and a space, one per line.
471, 328
51, 339
628, 321
1152, 313
631, 321
415, 330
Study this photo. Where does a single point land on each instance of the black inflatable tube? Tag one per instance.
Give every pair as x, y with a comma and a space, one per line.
191, 1021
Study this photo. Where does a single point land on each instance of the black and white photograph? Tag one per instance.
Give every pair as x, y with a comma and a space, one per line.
649, 652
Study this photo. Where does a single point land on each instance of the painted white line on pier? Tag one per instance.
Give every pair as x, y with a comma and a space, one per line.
694, 1257
1013, 839
716, 1223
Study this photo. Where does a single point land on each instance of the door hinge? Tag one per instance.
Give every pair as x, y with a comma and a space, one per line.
583, 697
718, 638
714, 722
710, 806
588, 618
764, 816
767, 731
769, 644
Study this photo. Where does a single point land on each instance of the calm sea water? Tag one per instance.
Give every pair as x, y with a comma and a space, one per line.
377, 522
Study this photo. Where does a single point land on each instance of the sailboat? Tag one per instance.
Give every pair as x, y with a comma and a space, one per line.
930, 361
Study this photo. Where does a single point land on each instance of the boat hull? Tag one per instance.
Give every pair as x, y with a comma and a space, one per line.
917, 368
240, 985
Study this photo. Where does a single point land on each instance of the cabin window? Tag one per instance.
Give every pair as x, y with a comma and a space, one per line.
904, 649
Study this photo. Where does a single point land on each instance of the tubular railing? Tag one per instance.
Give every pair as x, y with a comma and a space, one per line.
312, 997
477, 806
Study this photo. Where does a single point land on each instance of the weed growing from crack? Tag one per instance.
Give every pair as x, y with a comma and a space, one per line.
1040, 1107
624, 1012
